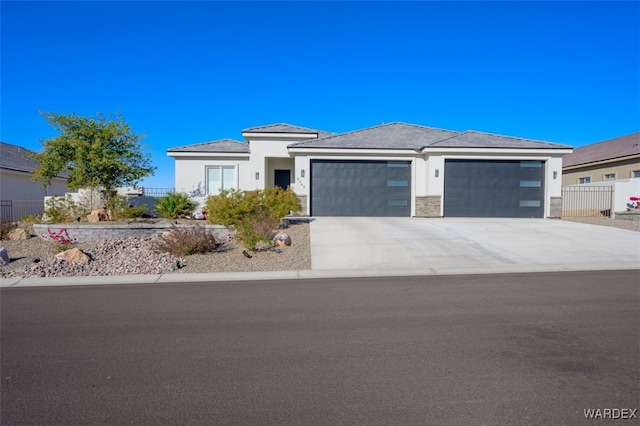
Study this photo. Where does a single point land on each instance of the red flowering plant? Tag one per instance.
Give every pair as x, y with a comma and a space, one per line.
635, 203
61, 238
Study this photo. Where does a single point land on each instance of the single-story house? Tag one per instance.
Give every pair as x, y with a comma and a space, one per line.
18, 193
394, 169
609, 160
16, 170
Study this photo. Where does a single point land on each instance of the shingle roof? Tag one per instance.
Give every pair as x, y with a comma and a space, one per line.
610, 149
14, 157
474, 139
220, 146
385, 136
285, 128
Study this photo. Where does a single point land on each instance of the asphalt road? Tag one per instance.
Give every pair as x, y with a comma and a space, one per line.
487, 349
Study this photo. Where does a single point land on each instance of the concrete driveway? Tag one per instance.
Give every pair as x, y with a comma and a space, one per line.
467, 245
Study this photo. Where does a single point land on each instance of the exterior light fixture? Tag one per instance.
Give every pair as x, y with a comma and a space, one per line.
437, 172
302, 173
555, 174
257, 175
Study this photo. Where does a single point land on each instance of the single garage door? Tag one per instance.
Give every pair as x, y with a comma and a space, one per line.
360, 188
493, 188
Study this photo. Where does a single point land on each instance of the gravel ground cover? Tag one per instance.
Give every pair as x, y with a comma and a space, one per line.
34, 257
630, 225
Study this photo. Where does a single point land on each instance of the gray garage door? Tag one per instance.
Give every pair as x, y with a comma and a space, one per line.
488, 188
360, 188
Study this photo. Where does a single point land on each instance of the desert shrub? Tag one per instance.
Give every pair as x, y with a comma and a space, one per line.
187, 241
119, 208
6, 226
30, 218
174, 206
254, 216
61, 210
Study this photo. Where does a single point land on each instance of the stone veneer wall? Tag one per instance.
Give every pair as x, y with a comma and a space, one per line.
428, 206
556, 207
81, 233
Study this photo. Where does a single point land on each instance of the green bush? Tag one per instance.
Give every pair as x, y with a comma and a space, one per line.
61, 210
120, 209
30, 218
187, 241
174, 206
254, 216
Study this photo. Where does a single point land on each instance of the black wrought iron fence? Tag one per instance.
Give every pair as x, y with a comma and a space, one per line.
584, 201
157, 192
14, 210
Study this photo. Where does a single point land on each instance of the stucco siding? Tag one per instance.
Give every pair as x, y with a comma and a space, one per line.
19, 186
622, 169
191, 172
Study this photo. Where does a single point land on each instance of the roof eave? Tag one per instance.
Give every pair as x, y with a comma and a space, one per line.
601, 162
206, 154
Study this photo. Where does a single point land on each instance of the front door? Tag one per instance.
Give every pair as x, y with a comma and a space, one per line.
283, 178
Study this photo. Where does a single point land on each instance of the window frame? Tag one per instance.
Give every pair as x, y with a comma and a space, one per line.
609, 176
221, 167
586, 179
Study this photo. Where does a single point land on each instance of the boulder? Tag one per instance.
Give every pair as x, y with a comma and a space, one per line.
171, 235
18, 234
282, 239
73, 255
4, 256
98, 215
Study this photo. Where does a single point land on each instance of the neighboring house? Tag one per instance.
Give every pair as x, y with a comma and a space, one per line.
394, 169
609, 160
16, 169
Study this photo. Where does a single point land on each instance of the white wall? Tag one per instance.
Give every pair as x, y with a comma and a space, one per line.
191, 171
261, 149
623, 189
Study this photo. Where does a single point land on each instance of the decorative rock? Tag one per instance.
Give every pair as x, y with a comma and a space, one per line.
74, 255
97, 215
4, 256
282, 239
18, 234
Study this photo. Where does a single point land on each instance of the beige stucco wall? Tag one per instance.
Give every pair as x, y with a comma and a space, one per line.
623, 170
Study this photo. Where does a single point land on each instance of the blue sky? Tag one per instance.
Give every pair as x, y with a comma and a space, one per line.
188, 72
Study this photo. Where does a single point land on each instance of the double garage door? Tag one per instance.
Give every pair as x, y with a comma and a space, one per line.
472, 188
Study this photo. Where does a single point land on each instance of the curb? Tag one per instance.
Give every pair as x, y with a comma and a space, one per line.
307, 274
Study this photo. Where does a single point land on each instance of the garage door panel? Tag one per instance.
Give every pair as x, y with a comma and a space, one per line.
493, 188
360, 188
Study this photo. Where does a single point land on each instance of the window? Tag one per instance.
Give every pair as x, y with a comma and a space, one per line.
530, 163
609, 176
635, 173
219, 178
529, 203
584, 179
530, 184
397, 183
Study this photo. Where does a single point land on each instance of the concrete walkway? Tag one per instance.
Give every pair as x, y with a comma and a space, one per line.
367, 247
458, 245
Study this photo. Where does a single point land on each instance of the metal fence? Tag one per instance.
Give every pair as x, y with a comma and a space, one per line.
157, 192
583, 201
13, 210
